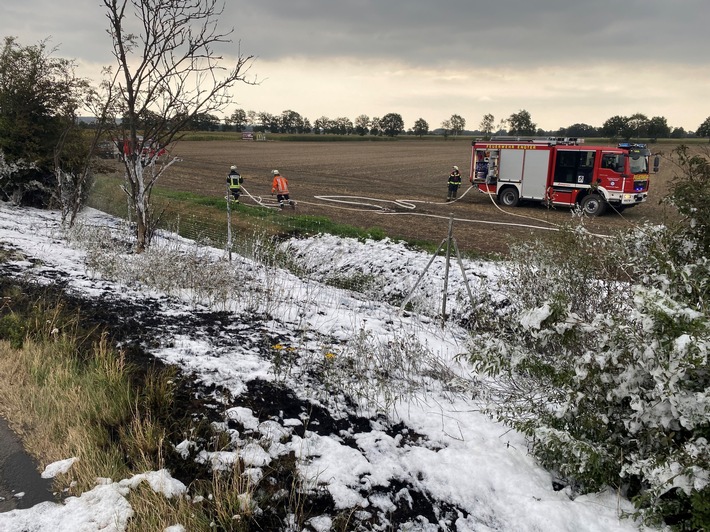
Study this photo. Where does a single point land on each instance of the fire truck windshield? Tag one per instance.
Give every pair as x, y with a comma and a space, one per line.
638, 157
638, 161
639, 165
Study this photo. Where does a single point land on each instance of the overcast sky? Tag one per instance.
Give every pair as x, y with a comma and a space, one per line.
563, 61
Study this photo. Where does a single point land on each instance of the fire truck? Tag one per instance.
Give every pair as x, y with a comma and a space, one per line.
562, 171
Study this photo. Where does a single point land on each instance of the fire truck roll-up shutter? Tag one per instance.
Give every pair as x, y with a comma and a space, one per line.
536, 169
527, 167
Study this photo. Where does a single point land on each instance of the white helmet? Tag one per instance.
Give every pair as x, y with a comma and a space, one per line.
456, 167
233, 167
275, 172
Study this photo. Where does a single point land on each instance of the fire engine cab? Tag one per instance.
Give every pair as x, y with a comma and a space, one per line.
562, 171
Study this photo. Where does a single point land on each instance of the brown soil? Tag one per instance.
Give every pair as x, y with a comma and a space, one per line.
400, 170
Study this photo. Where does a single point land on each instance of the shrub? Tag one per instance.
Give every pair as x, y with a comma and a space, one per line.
12, 329
601, 357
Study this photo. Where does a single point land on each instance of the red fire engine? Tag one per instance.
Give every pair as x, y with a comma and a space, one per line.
562, 171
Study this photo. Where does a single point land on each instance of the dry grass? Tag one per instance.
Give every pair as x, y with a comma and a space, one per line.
225, 504
66, 402
61, 406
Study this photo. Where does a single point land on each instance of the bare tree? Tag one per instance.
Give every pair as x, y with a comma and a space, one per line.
487, 125
167, 73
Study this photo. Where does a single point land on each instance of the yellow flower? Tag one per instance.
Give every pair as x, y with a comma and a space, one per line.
277, 347
329, 355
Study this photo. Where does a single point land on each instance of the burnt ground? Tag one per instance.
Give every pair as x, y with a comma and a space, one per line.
135, 324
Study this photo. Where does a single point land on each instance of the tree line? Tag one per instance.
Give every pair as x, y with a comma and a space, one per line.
637, 125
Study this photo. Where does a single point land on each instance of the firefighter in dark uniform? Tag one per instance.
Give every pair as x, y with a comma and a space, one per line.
454, 183
234, 180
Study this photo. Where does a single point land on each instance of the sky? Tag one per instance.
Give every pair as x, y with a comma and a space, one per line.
463, 458
565, 62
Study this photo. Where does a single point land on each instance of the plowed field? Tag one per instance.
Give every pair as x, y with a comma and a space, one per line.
389, 178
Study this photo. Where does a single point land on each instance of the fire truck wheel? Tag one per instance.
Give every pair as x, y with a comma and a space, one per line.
509, 197
593, 205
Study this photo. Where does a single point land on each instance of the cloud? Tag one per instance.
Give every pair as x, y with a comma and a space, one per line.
460, 32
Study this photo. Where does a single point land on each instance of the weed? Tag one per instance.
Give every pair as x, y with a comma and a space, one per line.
13, 329
378, 375
357, 282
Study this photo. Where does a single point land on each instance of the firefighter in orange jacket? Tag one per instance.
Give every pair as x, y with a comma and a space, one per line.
280, 187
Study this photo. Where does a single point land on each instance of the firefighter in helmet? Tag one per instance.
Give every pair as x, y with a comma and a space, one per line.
234, 181
454, 183
280, 186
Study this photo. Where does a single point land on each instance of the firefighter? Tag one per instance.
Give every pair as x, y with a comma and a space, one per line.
280, 187
234, 180
454, 183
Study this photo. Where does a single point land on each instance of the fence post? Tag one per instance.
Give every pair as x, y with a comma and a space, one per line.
229, 224
446, 268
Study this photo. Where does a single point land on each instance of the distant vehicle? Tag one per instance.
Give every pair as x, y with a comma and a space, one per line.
562, 171
148, 148
107, 149
151, 148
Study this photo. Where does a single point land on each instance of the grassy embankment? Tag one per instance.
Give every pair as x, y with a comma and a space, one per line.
203, 218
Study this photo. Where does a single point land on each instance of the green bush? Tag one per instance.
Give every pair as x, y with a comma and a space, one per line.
601, 357
13, 329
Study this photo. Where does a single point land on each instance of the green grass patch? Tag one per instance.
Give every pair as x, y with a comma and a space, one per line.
197, 216
311, 137
211, 135
311, 225
207, 136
